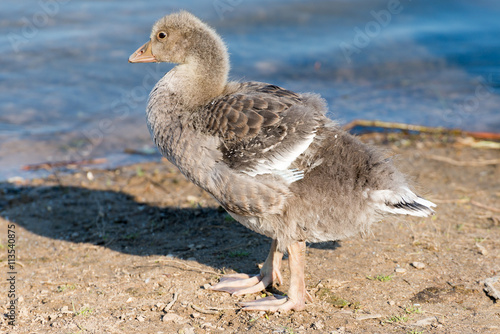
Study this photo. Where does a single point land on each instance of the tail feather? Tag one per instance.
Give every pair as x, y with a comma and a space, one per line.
403, 202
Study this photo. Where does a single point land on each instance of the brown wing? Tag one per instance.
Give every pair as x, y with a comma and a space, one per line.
244, 114
262, 127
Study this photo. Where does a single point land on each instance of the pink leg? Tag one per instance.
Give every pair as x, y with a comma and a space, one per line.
241, 284
297, 294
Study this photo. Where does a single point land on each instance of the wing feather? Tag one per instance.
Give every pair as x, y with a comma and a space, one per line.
263, 128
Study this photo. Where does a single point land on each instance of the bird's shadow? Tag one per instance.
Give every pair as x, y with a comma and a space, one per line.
117, 221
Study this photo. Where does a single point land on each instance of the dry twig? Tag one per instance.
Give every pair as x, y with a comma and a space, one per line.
202, 310
67, 164
212, 309
449, 201
480, 205
419, 128
169, 305
466, 200
454, 162
187, 266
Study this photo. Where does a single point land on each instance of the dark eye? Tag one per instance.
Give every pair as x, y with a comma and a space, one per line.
162, 35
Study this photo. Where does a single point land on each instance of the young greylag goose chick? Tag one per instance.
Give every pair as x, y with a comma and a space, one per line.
269, 156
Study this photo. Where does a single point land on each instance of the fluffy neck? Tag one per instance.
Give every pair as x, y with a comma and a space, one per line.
203, 76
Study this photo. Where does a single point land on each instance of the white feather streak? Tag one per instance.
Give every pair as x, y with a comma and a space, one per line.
279, 162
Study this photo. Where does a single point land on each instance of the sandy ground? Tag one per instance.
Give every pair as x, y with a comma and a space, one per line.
132, 250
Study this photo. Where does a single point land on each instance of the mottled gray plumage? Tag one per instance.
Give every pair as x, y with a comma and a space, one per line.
269, 156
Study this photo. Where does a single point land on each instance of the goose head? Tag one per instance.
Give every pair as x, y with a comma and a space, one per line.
200, 54
182, 38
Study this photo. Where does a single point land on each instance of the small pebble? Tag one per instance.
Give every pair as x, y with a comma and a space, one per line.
65, 310
481, 250
140, 318
491, 289
207, 325
418, 265
391, 302
172, 317
318, 325
424, 322
186, 330
400, 270
206, 286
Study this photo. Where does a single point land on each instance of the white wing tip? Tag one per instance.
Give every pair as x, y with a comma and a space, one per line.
425, 202
404, 202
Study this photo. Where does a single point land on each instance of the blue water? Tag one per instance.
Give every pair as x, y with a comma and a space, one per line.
68, 92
